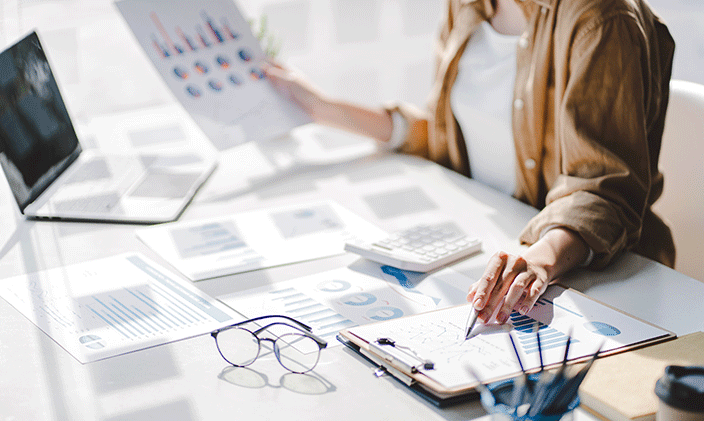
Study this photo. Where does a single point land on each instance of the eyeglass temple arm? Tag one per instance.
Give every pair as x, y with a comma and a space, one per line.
301, 324
321, 342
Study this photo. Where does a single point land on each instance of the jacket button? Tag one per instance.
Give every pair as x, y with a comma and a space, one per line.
529, 163
518, 104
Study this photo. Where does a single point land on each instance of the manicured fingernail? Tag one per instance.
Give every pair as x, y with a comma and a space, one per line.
502, 317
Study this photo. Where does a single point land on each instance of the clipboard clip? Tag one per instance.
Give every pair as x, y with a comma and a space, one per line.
402, 356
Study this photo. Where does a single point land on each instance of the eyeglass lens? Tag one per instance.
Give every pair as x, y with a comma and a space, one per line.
238, 346
295, 352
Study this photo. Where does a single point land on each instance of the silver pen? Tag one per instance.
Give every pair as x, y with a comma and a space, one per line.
471, 321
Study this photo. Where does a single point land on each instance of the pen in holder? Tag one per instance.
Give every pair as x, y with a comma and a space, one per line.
499, 399
541, 396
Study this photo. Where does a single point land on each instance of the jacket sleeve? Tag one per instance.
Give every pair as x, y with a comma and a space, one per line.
601, 130
419, 121
416, 140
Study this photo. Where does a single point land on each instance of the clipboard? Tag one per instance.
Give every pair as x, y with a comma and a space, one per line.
385, 344
409, 381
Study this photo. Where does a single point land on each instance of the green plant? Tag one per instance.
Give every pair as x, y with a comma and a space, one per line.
269, 41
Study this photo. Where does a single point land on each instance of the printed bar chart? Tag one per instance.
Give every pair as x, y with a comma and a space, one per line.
325, 321
214, 34
525, 328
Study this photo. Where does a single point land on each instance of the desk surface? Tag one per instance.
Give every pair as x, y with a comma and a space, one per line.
188, 379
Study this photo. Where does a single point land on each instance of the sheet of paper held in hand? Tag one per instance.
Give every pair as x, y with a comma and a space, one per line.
257, 239
439, 336
107, 307
207, 55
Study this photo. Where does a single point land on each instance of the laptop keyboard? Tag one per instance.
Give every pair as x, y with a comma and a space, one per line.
104, 190
102, 203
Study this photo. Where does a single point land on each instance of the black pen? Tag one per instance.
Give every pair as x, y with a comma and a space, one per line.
571, 387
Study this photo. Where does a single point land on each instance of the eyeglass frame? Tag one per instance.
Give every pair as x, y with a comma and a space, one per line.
303, 328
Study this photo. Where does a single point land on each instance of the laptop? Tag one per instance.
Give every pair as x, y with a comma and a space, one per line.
52, 177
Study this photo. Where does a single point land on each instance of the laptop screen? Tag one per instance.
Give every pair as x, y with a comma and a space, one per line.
37, 138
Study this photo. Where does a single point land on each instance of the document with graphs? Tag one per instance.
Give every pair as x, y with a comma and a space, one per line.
408, 344
206, 54
257, 239
112, 306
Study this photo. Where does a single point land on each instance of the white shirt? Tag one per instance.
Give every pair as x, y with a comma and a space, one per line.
481, 101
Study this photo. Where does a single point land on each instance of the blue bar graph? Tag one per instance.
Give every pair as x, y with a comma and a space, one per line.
525, 328
151, 309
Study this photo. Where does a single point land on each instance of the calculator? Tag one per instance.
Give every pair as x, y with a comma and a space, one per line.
421, 248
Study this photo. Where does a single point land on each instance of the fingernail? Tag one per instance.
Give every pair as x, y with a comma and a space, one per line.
524, 309
477, 303
502, 317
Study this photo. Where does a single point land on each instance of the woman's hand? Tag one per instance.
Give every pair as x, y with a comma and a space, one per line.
512, 282
366, 121
295, 87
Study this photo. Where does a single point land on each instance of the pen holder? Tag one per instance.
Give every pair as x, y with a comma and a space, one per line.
498, 400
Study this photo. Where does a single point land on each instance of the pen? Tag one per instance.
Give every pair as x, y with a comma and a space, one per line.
471, 321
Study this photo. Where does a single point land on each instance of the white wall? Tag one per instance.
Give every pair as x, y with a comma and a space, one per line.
369, 51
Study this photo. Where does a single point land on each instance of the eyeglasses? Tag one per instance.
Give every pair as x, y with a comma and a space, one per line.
297, 351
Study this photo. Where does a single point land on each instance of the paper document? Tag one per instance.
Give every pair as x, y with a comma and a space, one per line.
439, 336
342, 298
112, 306
207, 55
257, 239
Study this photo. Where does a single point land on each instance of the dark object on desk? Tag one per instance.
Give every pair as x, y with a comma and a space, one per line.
681, 393
52, 177
498, 398
539, 396
621, 387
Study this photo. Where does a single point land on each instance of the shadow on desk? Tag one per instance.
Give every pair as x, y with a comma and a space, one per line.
626, 266
305, 384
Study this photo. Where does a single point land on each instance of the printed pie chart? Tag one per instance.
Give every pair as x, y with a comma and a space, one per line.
384, 313
359, 299
334, 286
601, 328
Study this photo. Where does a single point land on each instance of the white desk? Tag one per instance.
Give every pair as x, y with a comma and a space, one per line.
188, 380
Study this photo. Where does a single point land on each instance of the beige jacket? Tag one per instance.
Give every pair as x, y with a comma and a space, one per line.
591, 91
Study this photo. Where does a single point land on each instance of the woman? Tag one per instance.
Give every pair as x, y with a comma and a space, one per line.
583, 87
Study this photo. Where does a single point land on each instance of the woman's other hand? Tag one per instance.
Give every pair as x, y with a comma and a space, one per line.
374, 122
295, 87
